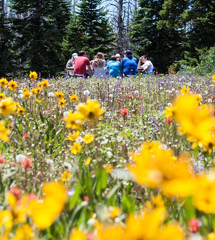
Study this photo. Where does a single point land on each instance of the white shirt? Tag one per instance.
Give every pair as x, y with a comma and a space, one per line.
146, 64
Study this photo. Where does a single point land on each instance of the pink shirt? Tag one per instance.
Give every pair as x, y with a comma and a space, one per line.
80, 65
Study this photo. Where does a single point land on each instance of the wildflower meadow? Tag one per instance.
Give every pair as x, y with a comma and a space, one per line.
105, 159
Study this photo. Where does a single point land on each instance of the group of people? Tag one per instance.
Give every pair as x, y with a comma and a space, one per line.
80, 65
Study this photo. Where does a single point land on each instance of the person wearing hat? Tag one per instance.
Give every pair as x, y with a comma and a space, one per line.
118, 58
70, 64
129, 64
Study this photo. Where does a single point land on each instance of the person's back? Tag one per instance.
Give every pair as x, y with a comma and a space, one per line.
114, 67
80, 64
129, 64
98, 66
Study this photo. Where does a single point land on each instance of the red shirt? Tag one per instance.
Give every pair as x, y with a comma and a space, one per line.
80, 65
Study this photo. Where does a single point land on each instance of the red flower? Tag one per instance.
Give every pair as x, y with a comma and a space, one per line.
168, 120
141, 97
126, 96
124, 111
122, 87
16, 192
26, 163
212, 97
2, 160
138, 96
213, 112
119, 99
25, 136
130, 96
86, 198
194, 225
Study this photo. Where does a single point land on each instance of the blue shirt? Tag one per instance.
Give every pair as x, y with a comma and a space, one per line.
129, 64
114, 68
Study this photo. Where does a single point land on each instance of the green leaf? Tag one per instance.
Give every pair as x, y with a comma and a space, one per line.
190, 211
75, 197
113, 190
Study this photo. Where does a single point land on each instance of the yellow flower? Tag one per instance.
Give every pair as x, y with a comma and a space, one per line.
24, 232
59, 95
19, 209
62, 102
77, 235
10, 126
4, 133
108, 168
66, 176
185, 90
88, 138
6, 219
213, 77
45, 83
88, 161
12, 85
33, 75
2, 96
74, 98
169, 112
3, 82
74, 120
27, 94
38, 90
195, 121
38, 100
198, 98
160, 169
76, 148
7, 106
204, 198
34, 91
211, 236
91, 110
156, 202
73, 137
44, 211
25, 90
115, 212
40, 84
21, 111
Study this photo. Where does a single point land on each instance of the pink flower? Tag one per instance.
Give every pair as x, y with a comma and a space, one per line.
25, 136
124, 111
26, 163
194, 225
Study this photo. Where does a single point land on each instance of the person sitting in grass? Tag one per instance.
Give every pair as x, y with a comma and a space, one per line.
99, 66
115, 67
81, 62
147, 66
129, 64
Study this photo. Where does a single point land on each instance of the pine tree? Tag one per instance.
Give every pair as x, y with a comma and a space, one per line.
7, 64
160, 44
40, 26
92, 21
197, 19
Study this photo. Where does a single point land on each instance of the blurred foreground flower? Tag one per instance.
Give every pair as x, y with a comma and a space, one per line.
7, 106
44, 211
157, 168
4, 133
74, 120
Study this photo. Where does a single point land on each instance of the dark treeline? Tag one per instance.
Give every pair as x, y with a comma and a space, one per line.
41, 35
